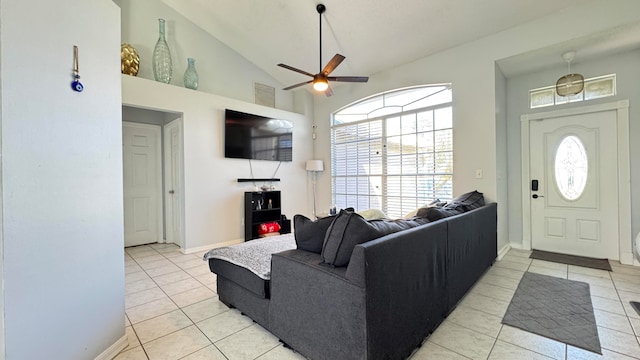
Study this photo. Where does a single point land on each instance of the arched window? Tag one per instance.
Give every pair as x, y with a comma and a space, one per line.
394, 151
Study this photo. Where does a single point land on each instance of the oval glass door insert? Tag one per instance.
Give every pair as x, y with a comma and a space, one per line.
571, 167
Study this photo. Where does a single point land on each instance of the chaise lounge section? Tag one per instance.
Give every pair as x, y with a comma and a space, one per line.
394, 291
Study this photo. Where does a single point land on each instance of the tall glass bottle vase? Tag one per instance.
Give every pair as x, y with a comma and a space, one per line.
191, 75
162, 66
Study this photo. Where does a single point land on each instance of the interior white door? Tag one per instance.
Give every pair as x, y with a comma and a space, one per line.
142, 184
574, 161
173, 182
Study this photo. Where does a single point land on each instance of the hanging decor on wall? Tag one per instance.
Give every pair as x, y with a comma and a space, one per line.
76, 85
162, 66
129, 60
570, 84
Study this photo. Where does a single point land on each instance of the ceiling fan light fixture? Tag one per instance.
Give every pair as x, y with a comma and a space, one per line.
320, 84
570, 84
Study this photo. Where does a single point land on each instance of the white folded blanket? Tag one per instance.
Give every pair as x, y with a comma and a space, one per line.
254, 255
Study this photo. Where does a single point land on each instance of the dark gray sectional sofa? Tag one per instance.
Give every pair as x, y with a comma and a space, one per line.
394, 291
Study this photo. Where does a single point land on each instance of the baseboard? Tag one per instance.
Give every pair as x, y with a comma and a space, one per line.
505, 249
113, 350
212, 246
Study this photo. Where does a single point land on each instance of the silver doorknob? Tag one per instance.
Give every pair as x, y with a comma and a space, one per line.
171, 192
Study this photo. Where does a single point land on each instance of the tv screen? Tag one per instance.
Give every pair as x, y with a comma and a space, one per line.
249, 136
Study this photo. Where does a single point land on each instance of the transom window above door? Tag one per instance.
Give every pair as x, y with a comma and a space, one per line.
394, 151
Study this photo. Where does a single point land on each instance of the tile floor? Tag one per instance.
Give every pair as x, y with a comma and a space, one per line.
172, 312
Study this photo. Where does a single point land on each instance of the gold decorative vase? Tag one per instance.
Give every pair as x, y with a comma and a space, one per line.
130, 61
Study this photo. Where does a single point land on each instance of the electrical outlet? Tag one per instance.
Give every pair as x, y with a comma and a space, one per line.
478, 173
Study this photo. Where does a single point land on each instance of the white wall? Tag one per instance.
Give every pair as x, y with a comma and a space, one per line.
212, 197
471, 70
62, 215
221, 70
628, 72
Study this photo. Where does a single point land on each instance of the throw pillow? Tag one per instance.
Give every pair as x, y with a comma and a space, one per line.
436, 213
350, 229
372, 214
309, 234
467, 202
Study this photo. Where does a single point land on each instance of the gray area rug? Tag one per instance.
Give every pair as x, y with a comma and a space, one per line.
602, 264
555, 308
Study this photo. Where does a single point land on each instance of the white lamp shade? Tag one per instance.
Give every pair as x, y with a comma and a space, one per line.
315, 165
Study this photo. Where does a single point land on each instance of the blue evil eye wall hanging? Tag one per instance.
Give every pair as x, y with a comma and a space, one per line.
76, 85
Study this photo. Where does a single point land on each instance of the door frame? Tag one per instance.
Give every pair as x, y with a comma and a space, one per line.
168, 169
158, 174
621, 107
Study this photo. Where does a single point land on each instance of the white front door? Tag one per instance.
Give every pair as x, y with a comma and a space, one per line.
142, 184
173, 181
574, 161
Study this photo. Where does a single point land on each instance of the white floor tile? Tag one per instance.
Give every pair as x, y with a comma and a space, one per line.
171, 277
506, 351
619, 342
205, 309
574, 353
132, 354
143, 297
591, 280
510, 273
476, 320
511, 265
150, 310
281, 353
518, 259
220, 326
549, 265
155, 264
463, 341
536, 343
613, 321
208, 353
505, 282
588, 271
136, 276
177, 345
484, 303
139, 285
248, 343
520, 253
192, 296
167, 269
180, 286
609, 305
548, 271
161, 325
493, 291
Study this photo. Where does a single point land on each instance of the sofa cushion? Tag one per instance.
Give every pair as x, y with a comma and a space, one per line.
349, 229
467, 202
309, 234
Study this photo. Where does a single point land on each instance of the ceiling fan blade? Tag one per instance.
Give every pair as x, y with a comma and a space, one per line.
361, 79
296, 70
297, 85
332, 64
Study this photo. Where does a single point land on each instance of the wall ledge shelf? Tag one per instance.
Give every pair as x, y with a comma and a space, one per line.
258, 180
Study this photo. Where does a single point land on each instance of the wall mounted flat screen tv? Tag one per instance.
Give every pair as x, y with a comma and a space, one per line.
249, 136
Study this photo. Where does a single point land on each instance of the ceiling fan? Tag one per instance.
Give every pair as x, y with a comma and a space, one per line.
321, 80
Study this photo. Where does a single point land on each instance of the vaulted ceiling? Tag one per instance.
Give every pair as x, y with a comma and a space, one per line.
375, 35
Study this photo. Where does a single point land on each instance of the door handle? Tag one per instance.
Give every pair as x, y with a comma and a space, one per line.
171, 192
535, 196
